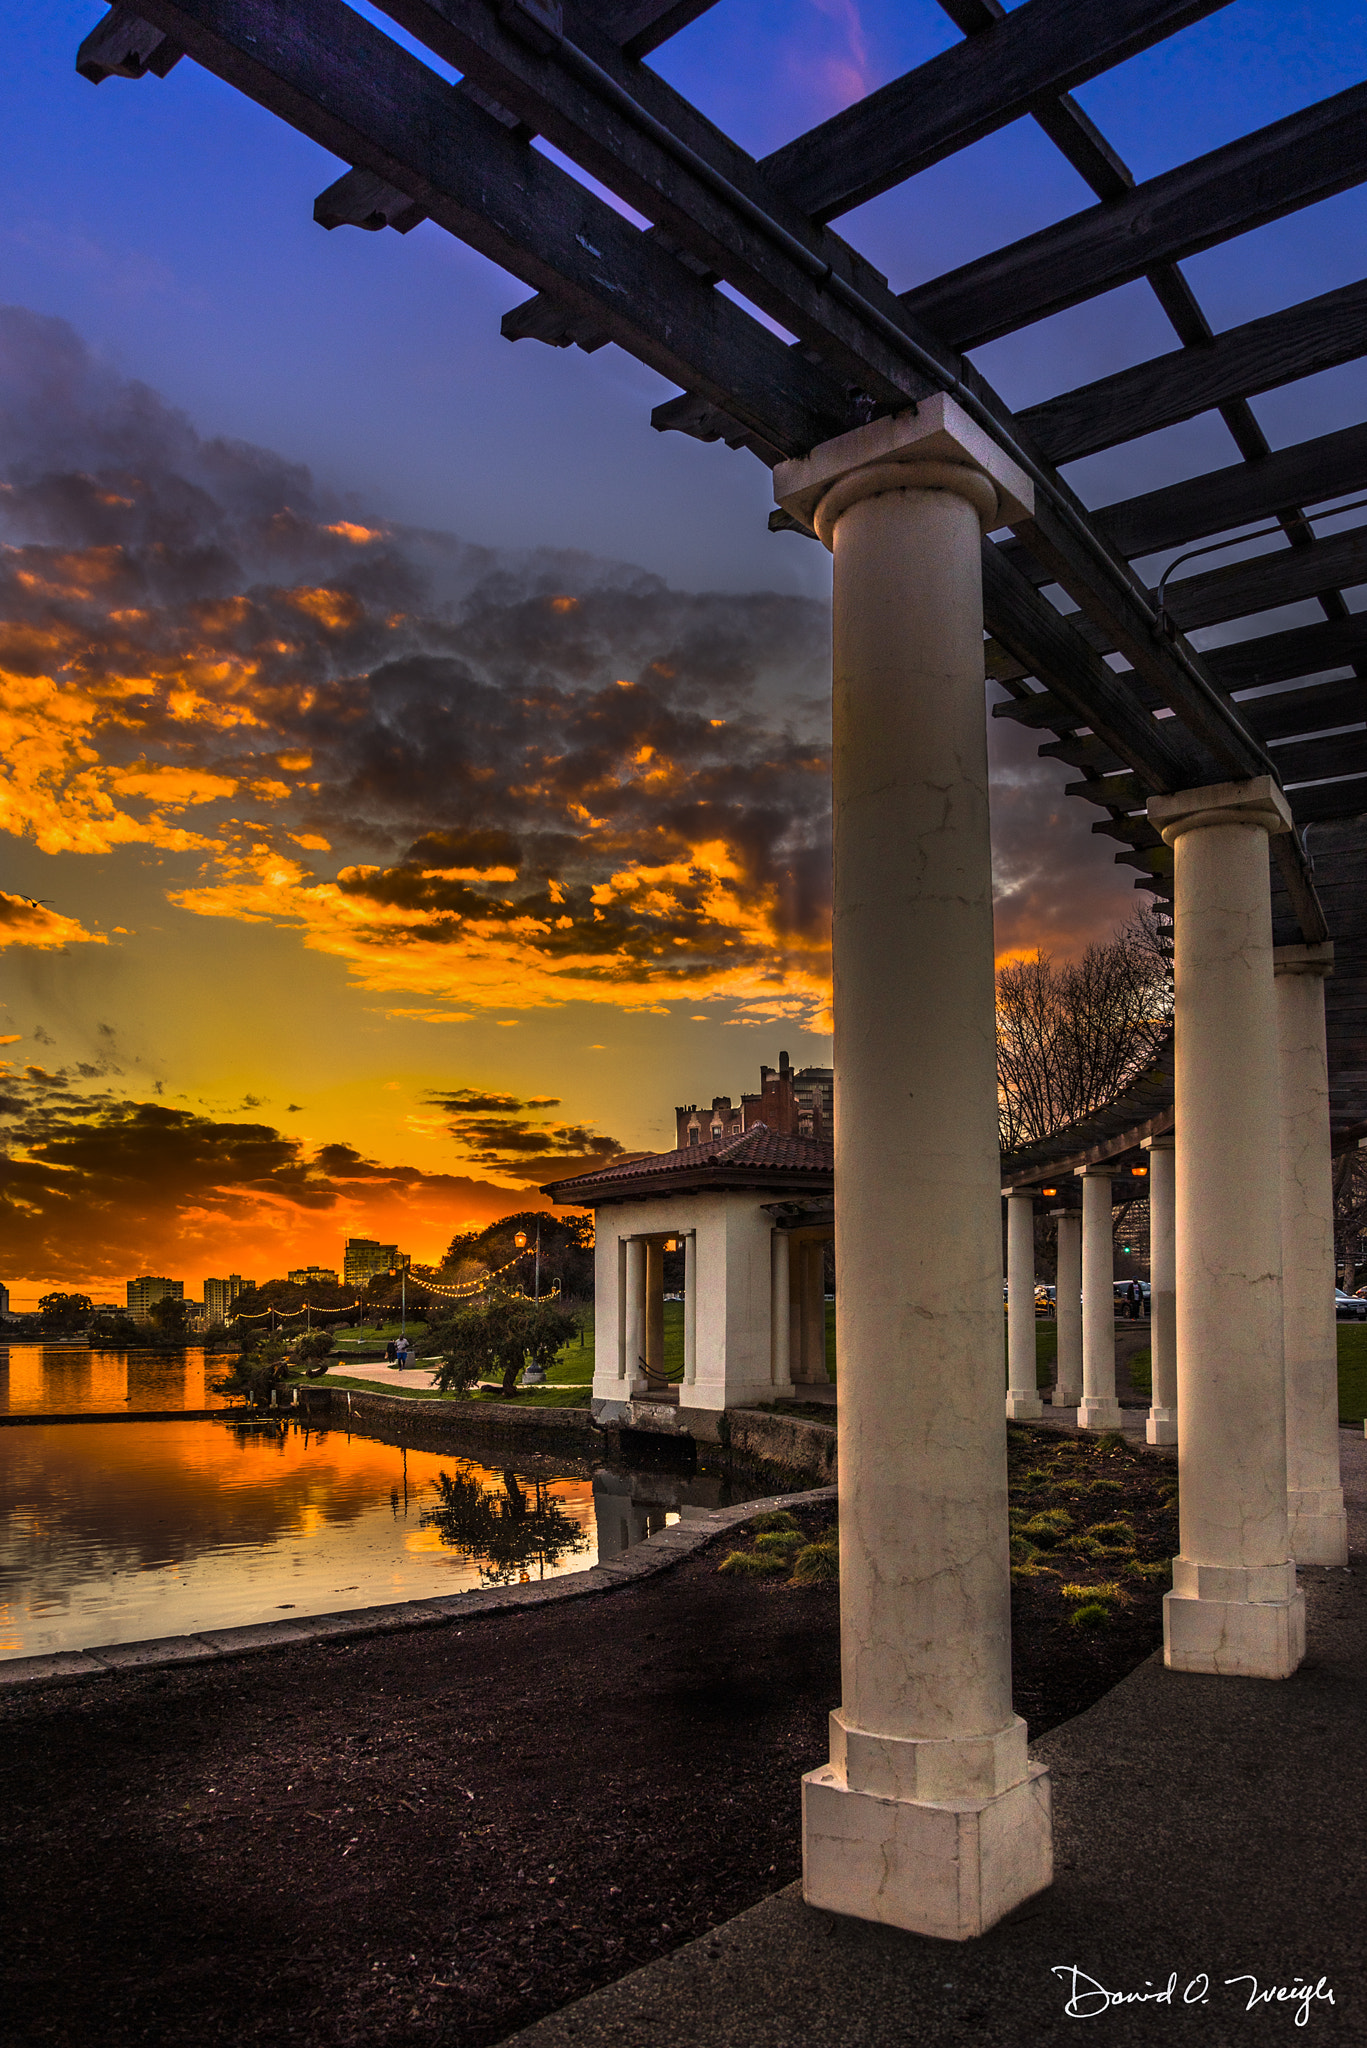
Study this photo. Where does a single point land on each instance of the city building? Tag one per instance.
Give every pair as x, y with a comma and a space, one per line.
219, 1296
145, 1292
4, 1300
313, 1276
366, 1256
795, 1102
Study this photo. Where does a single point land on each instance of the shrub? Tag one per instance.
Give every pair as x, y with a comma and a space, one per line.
1106, 1486
316, 1344
1033, 1570
754, 1563
1048, 1528
780, 1542
1096, 1614
1112, 1440
773, 1518
1023, 1551
1111, 1532
1085, 1546
1110, 1591
816, 1565
1161, 1570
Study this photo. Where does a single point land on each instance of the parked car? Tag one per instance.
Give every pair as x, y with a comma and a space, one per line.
1348, 1308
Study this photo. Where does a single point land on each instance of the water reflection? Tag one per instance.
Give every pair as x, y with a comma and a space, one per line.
505, 1532
111, 1532
71, 1379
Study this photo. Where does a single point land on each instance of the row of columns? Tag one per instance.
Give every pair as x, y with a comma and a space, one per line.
929, 1814
641, 1324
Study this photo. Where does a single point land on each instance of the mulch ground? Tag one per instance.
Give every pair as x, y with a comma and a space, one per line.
442, 1836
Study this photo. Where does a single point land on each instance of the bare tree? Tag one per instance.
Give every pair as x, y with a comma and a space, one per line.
1070, 1038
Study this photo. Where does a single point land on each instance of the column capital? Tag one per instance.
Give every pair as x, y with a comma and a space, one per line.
1168, 1143
1318, 959
1019, 1194
1256, 802
934, 446
1101, 1172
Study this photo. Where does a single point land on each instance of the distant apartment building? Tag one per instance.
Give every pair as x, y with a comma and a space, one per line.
4, 1300
366, 1256
313, 1276
795, 1102
145, 1292
219, 1296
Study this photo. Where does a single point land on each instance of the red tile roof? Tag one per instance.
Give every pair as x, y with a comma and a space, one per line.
757, 1152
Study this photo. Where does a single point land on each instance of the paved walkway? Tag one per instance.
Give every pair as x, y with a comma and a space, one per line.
1206, 1830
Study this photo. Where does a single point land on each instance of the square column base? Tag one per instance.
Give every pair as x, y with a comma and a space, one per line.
1023, 1407
1234, 1638
1065, 1397
1098, 1412
949, 1869
1161, 1427
1318, 1526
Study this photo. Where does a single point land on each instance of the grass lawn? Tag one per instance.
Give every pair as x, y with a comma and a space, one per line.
1352, 1372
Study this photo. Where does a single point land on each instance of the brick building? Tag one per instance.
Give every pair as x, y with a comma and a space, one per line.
794, 1102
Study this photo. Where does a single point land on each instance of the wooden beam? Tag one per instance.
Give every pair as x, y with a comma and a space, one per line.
1310, 473
1261, 583
1260, 178
1329, 800
336, 78
1314, 760
1291, 713
640, 26
1226, 747
1042, 48
124, 45
1280, 657
1020, 620
1259, 356
587, 121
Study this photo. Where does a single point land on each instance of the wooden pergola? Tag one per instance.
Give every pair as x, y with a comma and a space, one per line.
574, 73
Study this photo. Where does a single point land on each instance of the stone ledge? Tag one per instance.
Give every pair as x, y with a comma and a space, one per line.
656, 1554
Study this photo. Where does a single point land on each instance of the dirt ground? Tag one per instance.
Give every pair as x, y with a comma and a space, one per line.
439, 1836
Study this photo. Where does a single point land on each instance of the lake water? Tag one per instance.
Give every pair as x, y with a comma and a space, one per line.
69, 1379
114, 1532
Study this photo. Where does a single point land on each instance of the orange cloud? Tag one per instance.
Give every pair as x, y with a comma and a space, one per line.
25, 923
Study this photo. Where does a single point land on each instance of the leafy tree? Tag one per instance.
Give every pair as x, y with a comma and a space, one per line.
251, 1378
566, 1250
115, 1330
499, 1336
512, 1531
62, 1312
314, 1344
167, 1316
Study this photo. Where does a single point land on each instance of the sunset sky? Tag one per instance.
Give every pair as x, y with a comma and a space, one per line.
418, 766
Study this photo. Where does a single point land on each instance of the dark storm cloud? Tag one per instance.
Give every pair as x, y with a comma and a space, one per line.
103, 1183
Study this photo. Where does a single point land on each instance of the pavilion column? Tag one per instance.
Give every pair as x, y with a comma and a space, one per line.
634, 1319
1234, 1607
1098, 1408
1023, 1403
814, 1314
1068, 1309
1314, 1487
929, 1815
1161, 1427
780, 1309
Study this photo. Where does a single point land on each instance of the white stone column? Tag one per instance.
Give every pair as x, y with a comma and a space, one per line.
1234, 1606
1023, 1403
814, 1314
1098, 1408
1068, 1309
1161, 1427
634, 1320
780, 1310
690, 1307
1318, 1524
929, 1815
